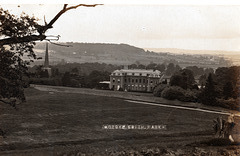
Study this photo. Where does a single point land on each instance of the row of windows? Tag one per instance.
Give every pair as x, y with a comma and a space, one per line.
136, 80
133, 80
134, 87
138, 87
140, 74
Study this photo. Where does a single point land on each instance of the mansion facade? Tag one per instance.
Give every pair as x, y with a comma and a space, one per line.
135, 80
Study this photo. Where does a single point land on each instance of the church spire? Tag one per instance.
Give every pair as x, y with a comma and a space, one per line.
46, 63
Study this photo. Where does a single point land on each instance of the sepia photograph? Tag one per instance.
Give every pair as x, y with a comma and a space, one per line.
119, 78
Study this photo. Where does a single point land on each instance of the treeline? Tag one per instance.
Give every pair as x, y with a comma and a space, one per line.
83, 68
86, 75
170, 68
90, 74
191, 84
219, 88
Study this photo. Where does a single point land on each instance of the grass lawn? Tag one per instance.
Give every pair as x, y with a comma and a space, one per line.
70, 121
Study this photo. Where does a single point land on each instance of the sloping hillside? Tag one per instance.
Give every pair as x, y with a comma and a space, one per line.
118, 54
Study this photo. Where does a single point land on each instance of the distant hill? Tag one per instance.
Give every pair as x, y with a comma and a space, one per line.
233, 55
119, 54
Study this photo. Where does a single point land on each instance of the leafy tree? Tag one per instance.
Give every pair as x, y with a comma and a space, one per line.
95, 77
171, 69
158, 89
12, 67
151, 66
172, 93
141, 66
196, 70
208, 71
222, 75
202, 80
209, 93
75, 70
66, 79
55, 72
228, 75
184, 79
133, 66
25, 29
44, 74
17, 36
161, 67
177, 68
228, 90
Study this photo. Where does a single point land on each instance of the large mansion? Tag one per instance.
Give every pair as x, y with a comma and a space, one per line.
135, 80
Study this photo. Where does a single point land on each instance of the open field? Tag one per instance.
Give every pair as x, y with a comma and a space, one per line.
54, 123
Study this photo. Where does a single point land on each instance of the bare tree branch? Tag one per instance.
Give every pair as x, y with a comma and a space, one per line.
42, 29
59, 44
50, 24
45, 20
64, 7
14, 40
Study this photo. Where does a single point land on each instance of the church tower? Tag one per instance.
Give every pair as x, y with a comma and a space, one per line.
46, 63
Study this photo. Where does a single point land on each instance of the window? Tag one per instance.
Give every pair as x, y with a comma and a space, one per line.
125, 80
132, 73
140, 74
136, 80
140, 80
113, 80
143, 80
132, 80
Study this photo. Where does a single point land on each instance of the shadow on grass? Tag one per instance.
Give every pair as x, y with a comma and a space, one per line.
219, 142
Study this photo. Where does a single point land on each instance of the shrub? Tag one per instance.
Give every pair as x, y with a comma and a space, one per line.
74, 83
175, 92
120, 89
189, 96
158, 89
172, 93
46, 81
231, 103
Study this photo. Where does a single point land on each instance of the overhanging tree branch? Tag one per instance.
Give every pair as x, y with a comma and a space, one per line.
41, 29
15, 40
65, 8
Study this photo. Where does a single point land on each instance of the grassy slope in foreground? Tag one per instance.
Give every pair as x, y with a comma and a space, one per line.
59, 119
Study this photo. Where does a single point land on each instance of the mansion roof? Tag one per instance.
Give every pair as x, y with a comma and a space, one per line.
136, 72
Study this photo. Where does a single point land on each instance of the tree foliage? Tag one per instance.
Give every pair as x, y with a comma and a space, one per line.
171, 69
12, 66
209, 93
17, 36
25, 29
184, 79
